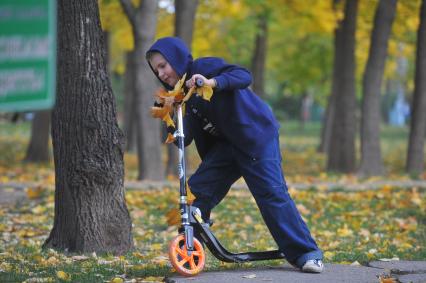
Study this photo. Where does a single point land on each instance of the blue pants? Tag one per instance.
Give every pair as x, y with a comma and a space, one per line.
224, 164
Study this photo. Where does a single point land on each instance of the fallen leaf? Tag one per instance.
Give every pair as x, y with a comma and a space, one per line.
63, 275
34, 193
117, 280
153, 279
80, 257
389, 259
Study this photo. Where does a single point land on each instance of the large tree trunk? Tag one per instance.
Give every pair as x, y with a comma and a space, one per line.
371, 157
341, 154
143, 20
38, 148
259, 55
415, 155
90, 208
185, 11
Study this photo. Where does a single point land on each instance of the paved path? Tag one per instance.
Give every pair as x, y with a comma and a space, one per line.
404, 271
11, 195
153, 185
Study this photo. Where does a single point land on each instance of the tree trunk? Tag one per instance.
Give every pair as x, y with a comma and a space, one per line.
129, 103
90, 209
259, 55
415, 155
38, 149
327, 122
341, 154
143, 20
185, 11
371, 157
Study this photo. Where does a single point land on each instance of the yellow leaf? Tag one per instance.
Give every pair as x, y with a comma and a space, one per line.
153, 279
34, 193
344, 232
138, 255
158, 112
168, 120
179, 84
189, 94
206, 92
39, 209
52, 261
170, 138
387, 280
173, 217
117, 280
63, 275
189, 194
156, 247
328, 255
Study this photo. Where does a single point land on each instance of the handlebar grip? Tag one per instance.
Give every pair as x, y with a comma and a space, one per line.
199, 82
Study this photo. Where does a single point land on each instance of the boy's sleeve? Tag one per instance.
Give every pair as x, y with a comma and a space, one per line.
227, 76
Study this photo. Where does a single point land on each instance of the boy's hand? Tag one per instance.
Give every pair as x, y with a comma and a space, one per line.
207, 82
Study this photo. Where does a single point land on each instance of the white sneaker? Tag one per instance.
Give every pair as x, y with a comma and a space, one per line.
313, 266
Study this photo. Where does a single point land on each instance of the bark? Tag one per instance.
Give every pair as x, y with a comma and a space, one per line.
185, 11
415, 155
90, 209
371, 157
38, 148
341, 154
259, 56
143, 20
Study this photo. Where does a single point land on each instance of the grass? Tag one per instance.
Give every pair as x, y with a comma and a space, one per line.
348, 226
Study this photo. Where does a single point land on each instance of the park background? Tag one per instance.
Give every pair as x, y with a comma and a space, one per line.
357, 212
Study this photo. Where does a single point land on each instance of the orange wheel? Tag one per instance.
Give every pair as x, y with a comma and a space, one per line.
187, 265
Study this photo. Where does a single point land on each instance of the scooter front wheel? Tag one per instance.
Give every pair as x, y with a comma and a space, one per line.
184, 263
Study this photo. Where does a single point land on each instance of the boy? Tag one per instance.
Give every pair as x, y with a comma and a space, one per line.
236, 135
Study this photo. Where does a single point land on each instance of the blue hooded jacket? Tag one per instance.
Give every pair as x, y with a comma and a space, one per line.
238, 114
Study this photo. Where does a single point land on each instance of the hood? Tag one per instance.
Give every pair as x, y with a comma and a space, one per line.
175, 51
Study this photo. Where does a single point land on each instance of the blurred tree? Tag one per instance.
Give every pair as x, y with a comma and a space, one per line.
116, 26
38, 148
259, 54
90, 208
143, 20
185, 11
415, 155
371, 157
129, 107
328, 119
341, 153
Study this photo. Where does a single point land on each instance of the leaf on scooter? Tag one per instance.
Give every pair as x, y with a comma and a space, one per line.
173, 215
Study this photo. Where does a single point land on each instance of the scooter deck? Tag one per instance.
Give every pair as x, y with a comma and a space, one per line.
224, 255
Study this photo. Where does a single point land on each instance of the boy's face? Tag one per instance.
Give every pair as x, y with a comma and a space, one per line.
163, 69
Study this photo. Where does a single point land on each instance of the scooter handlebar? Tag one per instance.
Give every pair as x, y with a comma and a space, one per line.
199, 82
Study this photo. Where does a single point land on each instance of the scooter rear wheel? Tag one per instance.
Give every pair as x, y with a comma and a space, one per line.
185, 264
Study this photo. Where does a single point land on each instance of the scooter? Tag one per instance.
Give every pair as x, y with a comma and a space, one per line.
186, 252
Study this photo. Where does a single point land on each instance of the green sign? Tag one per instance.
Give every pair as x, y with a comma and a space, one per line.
27, 54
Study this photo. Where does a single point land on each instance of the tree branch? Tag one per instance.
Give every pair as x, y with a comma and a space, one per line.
129, 10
